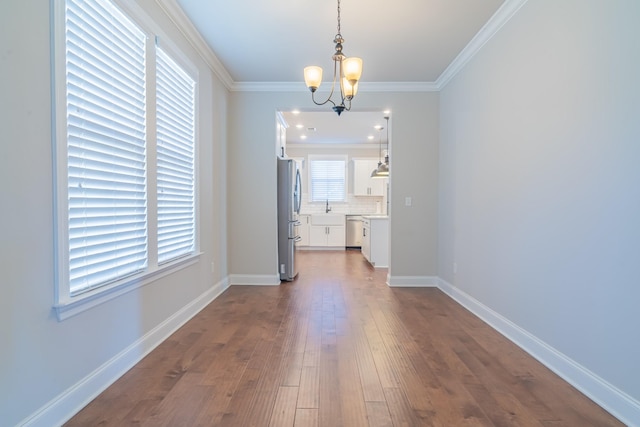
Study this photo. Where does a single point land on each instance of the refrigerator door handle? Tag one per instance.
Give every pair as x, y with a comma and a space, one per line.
297, 193
297, 239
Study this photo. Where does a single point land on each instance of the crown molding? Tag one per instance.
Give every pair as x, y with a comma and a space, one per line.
397, 87
333, 145
269, 87
493, 25
175, 13
362, 87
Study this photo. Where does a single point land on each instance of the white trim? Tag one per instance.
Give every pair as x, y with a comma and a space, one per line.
269, 87
334, 145
412, 281
398, 87
486, 33
362, 87
610, 398
72, 400
175, 13
254, 279
85, 301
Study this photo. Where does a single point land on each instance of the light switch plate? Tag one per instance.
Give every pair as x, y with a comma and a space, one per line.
407, 201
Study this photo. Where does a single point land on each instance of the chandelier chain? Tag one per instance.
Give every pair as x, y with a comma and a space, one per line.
339, 18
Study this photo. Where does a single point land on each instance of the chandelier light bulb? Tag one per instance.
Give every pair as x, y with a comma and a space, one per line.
352, 69
313, 77
348, 89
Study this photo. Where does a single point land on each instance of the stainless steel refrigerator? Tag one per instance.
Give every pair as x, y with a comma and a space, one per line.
289, 197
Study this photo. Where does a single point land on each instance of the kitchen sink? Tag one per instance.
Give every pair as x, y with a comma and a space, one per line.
327, 219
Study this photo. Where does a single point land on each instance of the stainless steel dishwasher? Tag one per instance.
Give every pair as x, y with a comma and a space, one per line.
354, 231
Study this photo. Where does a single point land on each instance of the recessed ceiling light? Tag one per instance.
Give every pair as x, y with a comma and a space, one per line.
370, 137
296, 112
299, 126
303, 137
387, 112
377, 127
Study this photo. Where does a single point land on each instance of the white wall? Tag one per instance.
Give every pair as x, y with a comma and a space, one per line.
539, 200
252, 179
40, 357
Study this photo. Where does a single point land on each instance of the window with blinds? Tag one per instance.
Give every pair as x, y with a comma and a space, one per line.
125, 205
175, 112
106, 134
327, 179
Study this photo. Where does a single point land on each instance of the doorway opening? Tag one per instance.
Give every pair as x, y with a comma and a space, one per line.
342, 204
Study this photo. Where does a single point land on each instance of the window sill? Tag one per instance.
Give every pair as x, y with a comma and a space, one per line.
78, 304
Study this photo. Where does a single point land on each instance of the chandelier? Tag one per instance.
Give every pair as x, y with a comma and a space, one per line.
346, 71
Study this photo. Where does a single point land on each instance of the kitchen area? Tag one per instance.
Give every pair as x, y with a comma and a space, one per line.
343, 207
368, 233
361, 223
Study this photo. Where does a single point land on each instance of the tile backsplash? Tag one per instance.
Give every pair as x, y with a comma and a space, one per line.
353, 205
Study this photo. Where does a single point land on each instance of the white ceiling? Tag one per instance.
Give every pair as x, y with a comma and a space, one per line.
399, 41
404, 41
353, 127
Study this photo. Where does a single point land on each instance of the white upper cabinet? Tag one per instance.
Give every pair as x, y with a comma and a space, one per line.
363, 184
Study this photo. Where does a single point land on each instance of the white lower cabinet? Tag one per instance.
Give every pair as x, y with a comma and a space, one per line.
303, 230
327, 235
375, 240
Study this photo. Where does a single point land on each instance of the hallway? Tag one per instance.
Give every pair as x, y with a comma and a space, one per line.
338, 347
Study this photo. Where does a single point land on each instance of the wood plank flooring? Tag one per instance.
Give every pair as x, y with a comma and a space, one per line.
338, 347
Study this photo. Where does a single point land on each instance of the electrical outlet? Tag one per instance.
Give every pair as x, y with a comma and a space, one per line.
407, 201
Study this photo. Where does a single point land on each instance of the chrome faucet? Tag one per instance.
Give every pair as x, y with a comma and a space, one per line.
327, 209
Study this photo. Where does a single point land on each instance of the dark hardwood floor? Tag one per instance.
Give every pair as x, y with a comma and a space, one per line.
338, 347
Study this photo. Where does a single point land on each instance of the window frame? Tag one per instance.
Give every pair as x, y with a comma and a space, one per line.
330, 157
66, 304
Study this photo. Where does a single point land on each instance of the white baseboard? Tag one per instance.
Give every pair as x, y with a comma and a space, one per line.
72, 400
254, 279
412, 281
613, 400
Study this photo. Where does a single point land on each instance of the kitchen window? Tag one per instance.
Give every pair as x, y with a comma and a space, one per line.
125, 203
327, 178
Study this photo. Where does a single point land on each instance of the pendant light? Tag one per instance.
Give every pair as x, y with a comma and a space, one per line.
382, 171
346, 71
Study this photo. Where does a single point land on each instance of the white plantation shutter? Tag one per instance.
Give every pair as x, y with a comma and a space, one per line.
328, 180
175, 94
107, 211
